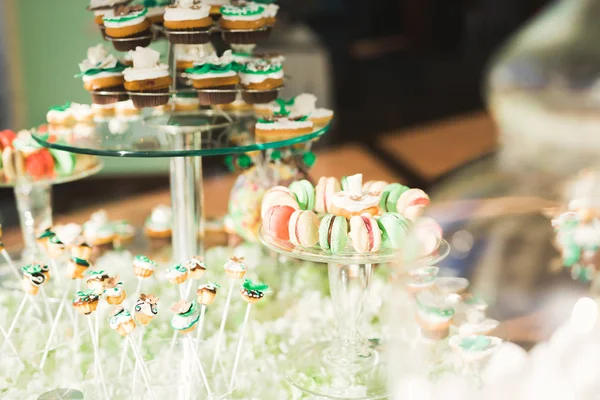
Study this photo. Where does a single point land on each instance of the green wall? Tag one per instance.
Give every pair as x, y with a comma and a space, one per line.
53, 37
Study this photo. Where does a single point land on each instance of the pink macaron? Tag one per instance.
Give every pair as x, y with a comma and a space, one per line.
428, 234
304, 228
278, 196
374, 188
325, 189
412, 203
365, 233
276, 221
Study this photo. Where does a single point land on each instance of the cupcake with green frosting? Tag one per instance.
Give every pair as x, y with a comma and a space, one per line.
215, 73
434, 314
186, 316
102, 72
261, 79
242, 22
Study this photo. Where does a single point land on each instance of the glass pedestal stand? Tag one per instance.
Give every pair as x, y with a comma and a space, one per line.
185, 137
346, 367
34, 205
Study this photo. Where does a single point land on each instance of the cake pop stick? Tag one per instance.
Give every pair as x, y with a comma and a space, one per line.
9, 261
61, 307
199, 366
97, 359
177, 275
46, 304
206, 296
252, 293
146, 308
34, 276
143, 268
124, 324
13, 324
196, 268
10, 343
234, 269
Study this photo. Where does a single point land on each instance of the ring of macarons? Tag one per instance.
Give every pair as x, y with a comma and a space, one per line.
307, 216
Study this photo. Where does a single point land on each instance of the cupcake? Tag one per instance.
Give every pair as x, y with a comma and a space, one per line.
214, 72
86, 301
122, 321
102, 8
196, 267
241, 22
186, 101
124, 233
281, 128
156, 10
261, 79
177, 274
186, 316
102, 72
114, 293
33, 277
207, 292
55, 247
82, 113
129, 27
81, 249
143, 267
434, 314
99, 231
146, 308
235, 268
188, 23
60, 116
43, 237
353, 201
97, 280
76, 267
147, 76
253, 292
158, 226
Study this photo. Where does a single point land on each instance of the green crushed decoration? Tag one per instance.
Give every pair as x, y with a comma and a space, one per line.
85, 295
254, 287
250, 10
215, 284
283, 111
141, 257
100, 272
213, 68
32, 269
272, 68
94, 71
62, 108
477, 343
179, 268
309, 158
244, 161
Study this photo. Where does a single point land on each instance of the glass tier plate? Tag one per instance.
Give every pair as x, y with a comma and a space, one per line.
169, 134
349, 255
92, 167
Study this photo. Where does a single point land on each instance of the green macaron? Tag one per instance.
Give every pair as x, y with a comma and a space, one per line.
394, 228
344, 183
390, 195
64, 161
333, 233
305, 194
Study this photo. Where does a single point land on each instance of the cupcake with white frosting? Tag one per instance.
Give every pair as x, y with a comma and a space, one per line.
82, 113
156, 10
114, 292
261, 78
122, 321
242, 22
354, 201
207, 292
100, 8
148, 77
158, 226
186, 316
235, 268
102, 72
177, 274
188, 22
196, 267
128, 22
146, 308
98, 231
214, 72
143, 267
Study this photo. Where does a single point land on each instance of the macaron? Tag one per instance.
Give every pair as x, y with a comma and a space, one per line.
412, 203
276, 221
40, 164
375, 187
390, 196
365, 233
428, 234
305, 194
304, 228
326, 188
394, 228
278, 196
64, 161
13, 163
6, 138
333, 233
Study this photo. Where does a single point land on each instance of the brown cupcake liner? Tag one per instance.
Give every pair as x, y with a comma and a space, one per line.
210, 98
262, 35
262, 97
192, 36
103, 32
142, 101
245, 37
145, 38
109, 98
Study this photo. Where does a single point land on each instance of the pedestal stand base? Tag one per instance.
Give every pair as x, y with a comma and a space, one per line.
315, 369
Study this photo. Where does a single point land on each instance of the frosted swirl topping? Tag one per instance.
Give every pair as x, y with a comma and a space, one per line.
186, 10
235, 264
99, 60
262, 66
146, 65
121, 317
144, 262
176, 271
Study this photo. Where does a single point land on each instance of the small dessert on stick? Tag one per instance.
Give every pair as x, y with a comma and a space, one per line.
146, 308
114, 293
206, 296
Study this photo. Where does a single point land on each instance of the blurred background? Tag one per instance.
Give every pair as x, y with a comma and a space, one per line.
382, 65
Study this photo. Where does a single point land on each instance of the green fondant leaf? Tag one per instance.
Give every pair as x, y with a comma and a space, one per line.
94, 71
64, 107
309, 158
259, 287
206, 68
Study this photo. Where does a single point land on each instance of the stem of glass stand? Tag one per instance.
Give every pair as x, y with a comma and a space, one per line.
34, 205
349, 285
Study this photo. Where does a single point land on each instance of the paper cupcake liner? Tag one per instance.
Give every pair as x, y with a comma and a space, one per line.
195, 36
110, 98
145, 38
436, 334
150, 101
210, 98
259, 97
103, 32
264, 34
246, 37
